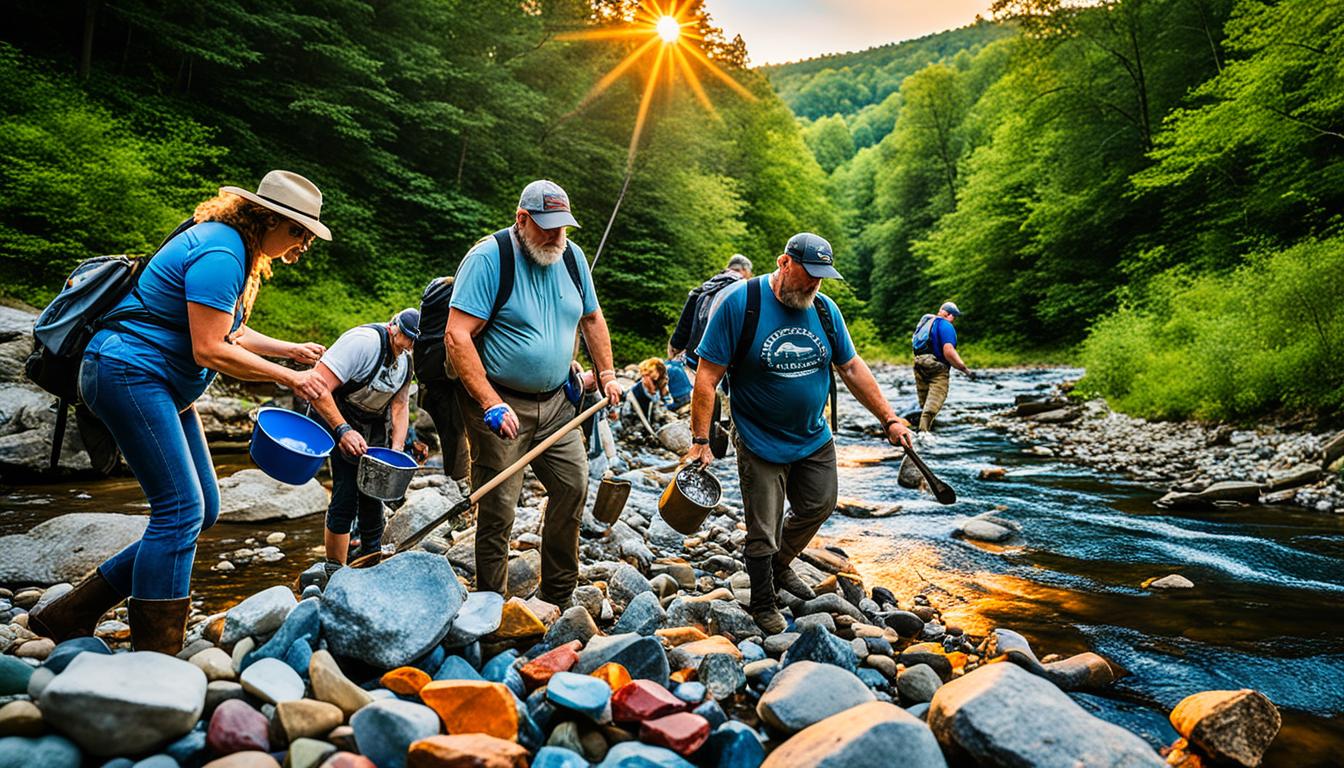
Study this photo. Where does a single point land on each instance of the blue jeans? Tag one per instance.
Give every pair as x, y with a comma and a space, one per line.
164, 444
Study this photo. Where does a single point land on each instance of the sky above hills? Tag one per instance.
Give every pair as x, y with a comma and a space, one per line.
777, 31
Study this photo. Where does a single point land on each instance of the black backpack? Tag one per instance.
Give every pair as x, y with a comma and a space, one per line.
705, 295
64, 328
751, 319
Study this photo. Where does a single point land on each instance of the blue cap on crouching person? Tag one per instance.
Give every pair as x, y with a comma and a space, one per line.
408, 320
547, 204
950, 309
814, 253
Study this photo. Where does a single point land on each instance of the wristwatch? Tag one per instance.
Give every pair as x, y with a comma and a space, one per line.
700, 441
342, 429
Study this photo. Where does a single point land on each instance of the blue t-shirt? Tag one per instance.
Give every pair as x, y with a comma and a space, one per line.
204, 265
941, 333
781, 387
530, 343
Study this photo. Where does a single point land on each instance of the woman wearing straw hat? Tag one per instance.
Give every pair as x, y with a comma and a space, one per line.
157, 352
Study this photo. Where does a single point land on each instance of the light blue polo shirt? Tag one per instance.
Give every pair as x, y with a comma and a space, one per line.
530, 343
780, 389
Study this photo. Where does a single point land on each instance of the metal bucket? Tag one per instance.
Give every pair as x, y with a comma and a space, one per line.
384, 473
686, 512
611, 497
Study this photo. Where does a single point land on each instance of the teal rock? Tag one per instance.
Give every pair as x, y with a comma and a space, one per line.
189, 751
393, 613
303, 622
712, 712
430, 662
558, 757
692, 692
643, 616
42, 752
872, 678
496, 668
299, 656
64, 653
531, 733
157, 761
584, 694
479, 615
752, 651
735, 745
384, 730
633, 754
456, 668
14, 676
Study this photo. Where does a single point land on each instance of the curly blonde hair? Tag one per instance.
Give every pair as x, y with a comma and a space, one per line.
654, 369
252, 222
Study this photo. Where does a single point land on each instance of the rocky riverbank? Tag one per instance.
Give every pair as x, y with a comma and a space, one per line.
655, 662
1201, 466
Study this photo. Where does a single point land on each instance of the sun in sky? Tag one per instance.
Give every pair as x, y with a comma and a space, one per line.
670, 38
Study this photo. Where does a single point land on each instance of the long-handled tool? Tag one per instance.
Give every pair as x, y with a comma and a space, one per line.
373, 558
941, 491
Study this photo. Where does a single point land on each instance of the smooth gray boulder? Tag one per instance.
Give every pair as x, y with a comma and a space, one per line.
1001, 714
806, 692
250, 496
392, 613
872, 735
68, 547
479, 615
124, 703
421, 508
258, 615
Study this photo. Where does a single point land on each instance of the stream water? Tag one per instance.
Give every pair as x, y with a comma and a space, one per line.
1267, 610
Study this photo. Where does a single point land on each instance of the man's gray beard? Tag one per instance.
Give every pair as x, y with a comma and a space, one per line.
795, 298
541, 255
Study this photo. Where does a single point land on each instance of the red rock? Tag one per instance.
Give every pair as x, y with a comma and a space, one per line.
467, 750
643, 700
237, 727
538, 671
348, 760
682, 733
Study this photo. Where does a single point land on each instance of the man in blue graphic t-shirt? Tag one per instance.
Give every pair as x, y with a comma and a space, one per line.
781, 378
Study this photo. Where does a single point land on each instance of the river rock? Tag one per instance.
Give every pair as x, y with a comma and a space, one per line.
126, 703
43, 752
420, 509
574, 624
1173, 581
476, 750
332, 686
814, 643
625, 583
917, 684
643, 700
1232, 726
386, 729
675, 437
251, 496
729, 618
236, 727
65, 548
272, 681
302, 625
215, 663
306, 718
682, 732
14, 676
474, 706
21, 718
642, 656
1001, 714
722, 675
1084, 670
224, 417
584, 694
479, 615
260, 614
644, 615
634, 754
1232, 490
392, 613
871, 735
807, 692
251, 759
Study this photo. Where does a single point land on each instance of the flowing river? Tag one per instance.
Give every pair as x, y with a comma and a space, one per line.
1267, 610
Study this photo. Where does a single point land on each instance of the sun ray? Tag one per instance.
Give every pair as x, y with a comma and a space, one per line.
644, 106
616, 72
601, 34
719, 73
694, 81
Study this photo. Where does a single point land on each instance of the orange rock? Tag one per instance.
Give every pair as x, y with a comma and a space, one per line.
518, 622
473, 706
675, 636
405, 681
712, 644
613, 674
538, 671
468, 750
682, 675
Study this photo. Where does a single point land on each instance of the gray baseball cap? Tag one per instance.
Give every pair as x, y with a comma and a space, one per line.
814, 253
950, 309
547, 204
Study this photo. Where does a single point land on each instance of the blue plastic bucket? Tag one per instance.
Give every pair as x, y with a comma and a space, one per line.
289, 446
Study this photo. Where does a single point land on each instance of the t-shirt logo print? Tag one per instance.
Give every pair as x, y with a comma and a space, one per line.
793, 352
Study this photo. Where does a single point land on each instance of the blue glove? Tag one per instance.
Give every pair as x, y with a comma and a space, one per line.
574, 387
494, 418
669, 403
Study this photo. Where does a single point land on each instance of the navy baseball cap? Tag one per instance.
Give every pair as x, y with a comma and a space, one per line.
547, 204
408, 320
814, 253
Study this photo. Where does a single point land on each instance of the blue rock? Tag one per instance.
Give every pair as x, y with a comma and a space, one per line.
711, 711
531, 733
430, 662
633, 754
42, 752
872, 678
753, 652
642, 657
299, 656
643, 616
816, 644
558, 757
480, 615
312, 590
119, 762
14, 675
304, 622
920, 710
393, 613
735, 745
584, 694
496, 668
534, 700
472, 653
64, 653
721, 674
385, 729
189, 751
456, 668
157, 761
690, 692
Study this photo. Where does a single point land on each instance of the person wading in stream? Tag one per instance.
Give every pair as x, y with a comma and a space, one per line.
157, 352
518, 299
777, 339
935, 346
368, 373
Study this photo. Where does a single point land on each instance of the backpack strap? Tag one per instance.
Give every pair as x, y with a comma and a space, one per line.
384, 358
751, 320
828, 327
506, 276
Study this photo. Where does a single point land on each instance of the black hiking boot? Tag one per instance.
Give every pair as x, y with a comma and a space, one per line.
788, 580
764, 610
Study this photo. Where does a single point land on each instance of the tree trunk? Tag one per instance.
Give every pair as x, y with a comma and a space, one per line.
86, 46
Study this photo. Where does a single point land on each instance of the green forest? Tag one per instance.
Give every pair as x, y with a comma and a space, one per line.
1149, 188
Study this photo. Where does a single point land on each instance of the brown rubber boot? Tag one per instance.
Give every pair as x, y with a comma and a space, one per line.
764, 610
158, 625
77, 612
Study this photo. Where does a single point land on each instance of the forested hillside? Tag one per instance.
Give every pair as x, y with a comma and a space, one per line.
1159, 181
420, 120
